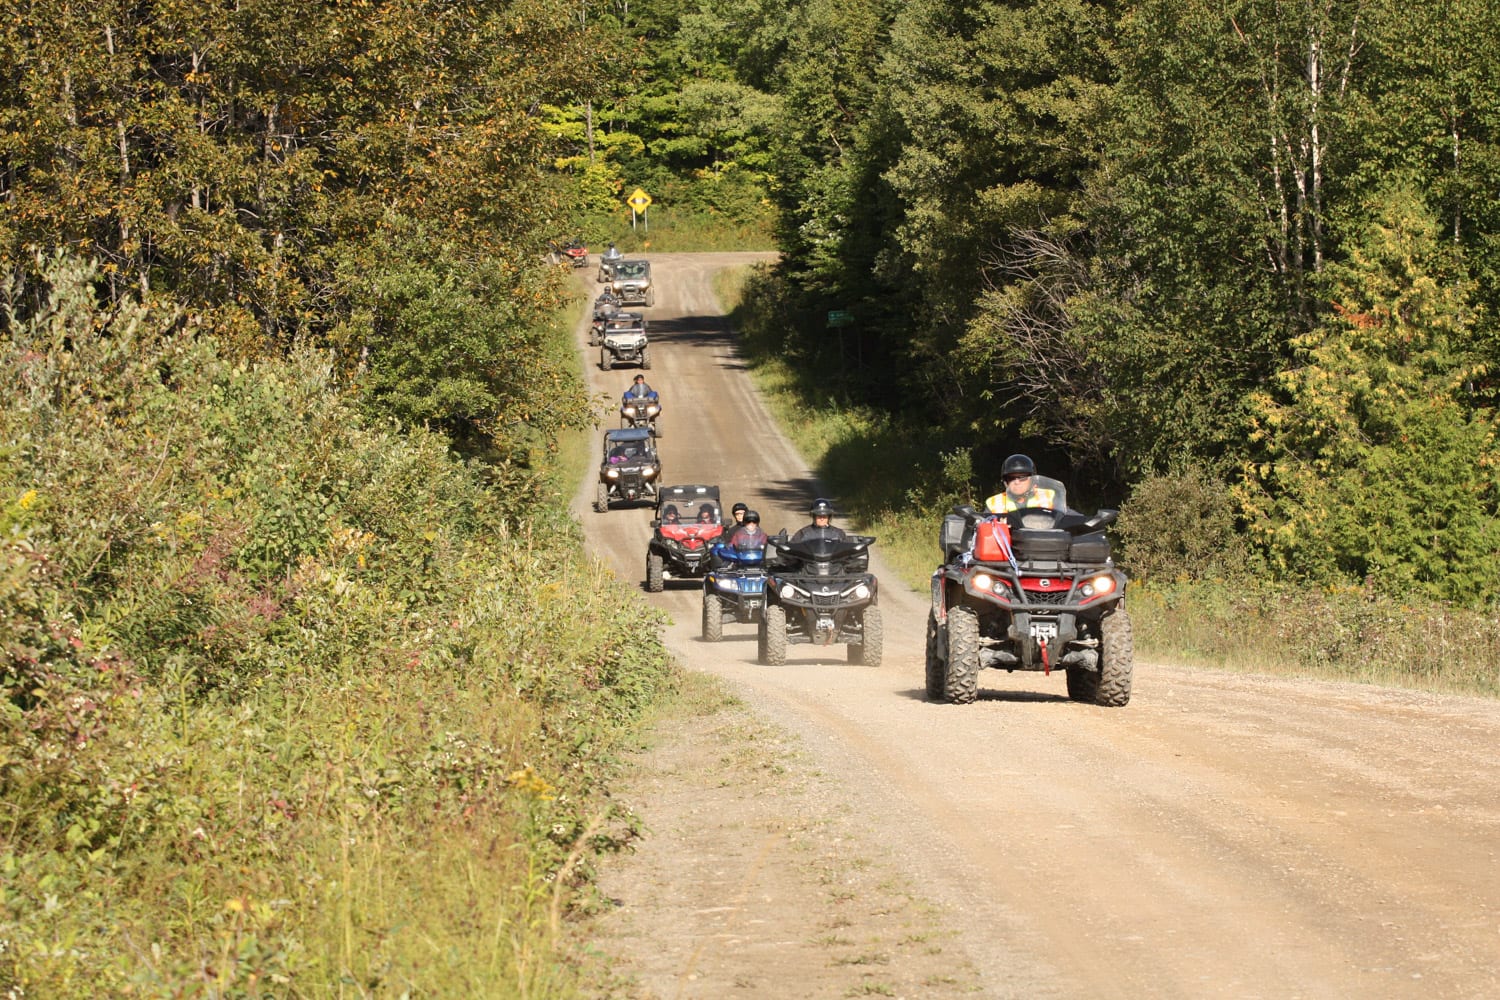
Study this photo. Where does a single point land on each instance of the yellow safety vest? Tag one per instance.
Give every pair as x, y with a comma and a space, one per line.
1004, 503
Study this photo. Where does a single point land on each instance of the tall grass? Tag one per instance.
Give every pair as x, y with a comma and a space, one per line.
670, 229
295, 704
896, 477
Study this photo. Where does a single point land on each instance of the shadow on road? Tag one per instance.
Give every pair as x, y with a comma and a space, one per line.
1014, 697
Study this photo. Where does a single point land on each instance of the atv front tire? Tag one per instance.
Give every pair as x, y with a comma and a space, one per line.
606, 360
655, 576
1083, 685
961, 672
650, 296
645, 357
601, 498
1116, 660
713, 618
934, 660
870, 650
773, 636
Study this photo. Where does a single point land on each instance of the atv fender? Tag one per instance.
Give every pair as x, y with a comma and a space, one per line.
940, 597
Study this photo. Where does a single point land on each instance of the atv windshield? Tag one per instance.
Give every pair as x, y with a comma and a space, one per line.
632, 269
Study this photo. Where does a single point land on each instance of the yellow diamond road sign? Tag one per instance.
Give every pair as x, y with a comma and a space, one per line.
638, 200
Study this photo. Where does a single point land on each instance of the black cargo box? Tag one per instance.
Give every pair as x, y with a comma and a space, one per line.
1090, 548
1040, 544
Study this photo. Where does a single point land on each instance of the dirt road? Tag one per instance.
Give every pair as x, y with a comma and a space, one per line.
1222, 836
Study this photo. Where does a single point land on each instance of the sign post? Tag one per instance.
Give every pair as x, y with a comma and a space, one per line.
639, 201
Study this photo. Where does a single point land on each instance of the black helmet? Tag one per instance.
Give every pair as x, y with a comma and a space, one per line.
1017, 465
737, 508
639, 377
752, 517
821, 508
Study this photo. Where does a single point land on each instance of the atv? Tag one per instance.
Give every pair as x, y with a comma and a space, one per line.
574, 252
734, 590
623, 340
607, 261
1034, 589
640, 411
819, 591
687, 521
630, 470
605, 306
631, 281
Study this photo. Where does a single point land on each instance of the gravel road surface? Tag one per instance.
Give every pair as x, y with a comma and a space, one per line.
837, 835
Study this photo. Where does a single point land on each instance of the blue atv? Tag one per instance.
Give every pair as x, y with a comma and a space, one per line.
734, 589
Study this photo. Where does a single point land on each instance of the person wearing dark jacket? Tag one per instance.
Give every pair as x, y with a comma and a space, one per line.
822, 524
748, 534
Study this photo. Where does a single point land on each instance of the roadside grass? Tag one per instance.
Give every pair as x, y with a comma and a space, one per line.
295, 702
896, 480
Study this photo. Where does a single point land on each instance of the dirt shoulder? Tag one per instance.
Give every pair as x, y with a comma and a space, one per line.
757, 877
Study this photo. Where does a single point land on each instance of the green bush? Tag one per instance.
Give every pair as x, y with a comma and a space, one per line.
294, 703
1181, 525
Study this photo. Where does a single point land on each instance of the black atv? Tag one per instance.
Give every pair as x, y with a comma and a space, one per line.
1034, 589
630, 469
688, 520
819, 591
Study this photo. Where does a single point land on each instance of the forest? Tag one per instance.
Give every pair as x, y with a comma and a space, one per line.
1248, 247
290, 394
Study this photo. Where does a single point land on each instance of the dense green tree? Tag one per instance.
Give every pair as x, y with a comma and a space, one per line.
1431, 112
1370, 461
279, 165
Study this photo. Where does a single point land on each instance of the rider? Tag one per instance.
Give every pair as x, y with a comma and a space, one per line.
621, 453
640, 390
747, 534
607, 261
738, 513
669, 515
706, 514
607, 304
822, 524
1022, 488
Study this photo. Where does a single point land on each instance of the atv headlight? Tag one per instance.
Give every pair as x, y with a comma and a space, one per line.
788, 592
728, 583
982, 581
860, 592
648, 472
652, 410
612, 474
1098, 587
629, 411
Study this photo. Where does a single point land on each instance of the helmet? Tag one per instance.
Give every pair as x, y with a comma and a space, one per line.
821, 508
752, 517
1017, 465
737, 508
